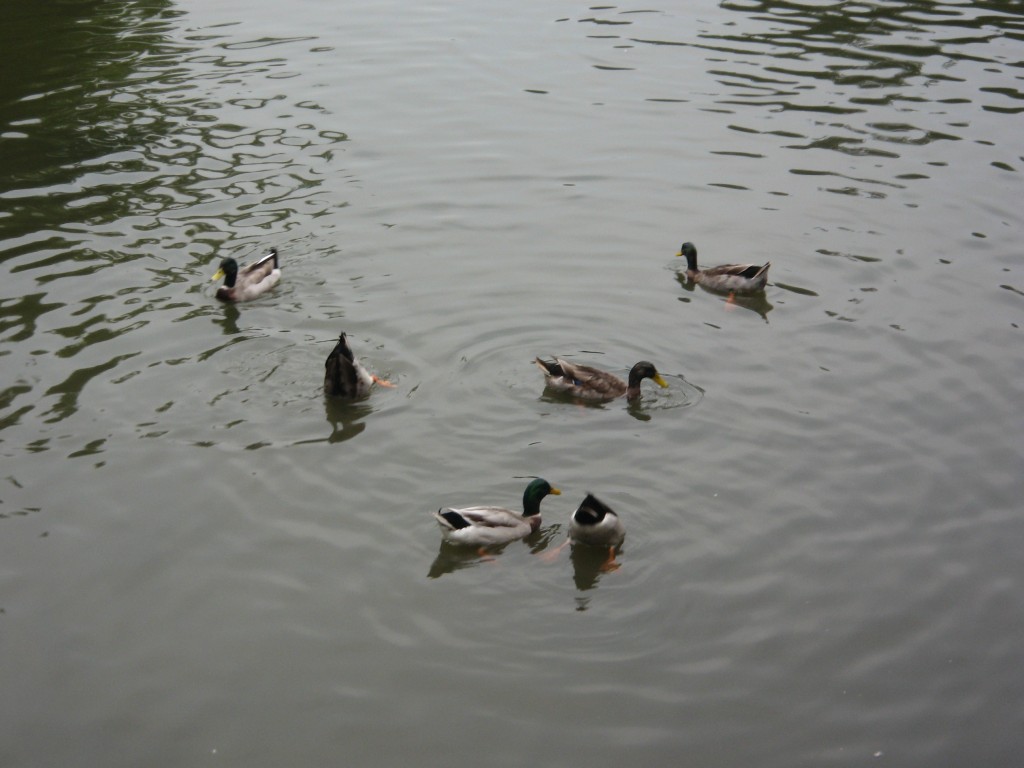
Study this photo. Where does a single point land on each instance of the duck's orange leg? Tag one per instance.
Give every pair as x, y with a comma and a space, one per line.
550, 557
609, 565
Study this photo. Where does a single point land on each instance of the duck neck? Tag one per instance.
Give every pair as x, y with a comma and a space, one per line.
531, 507
531, 504
691, 260
633, 386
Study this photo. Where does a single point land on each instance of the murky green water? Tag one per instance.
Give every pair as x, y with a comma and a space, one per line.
202, 562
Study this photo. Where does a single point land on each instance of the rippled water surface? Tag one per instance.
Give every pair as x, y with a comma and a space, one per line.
204, 562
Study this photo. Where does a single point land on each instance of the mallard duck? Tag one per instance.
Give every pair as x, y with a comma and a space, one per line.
594, 522
491, 526
728, 278
250, 281
592, 384
345, 376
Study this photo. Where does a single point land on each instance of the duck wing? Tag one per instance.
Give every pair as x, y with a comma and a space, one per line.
746, 271
482, 517
581, 380
259, 269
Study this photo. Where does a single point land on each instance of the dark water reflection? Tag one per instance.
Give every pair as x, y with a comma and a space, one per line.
347, 420
127, 177
544, 544
57, 118
588, 566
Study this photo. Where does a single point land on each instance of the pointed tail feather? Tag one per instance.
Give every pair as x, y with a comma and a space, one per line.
268, 257
449, 518
549, 368
591, 510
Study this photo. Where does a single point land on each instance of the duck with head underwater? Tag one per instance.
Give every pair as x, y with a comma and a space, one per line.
488, 526
589, 383
594, 523
727, 278
248, 282
344, 376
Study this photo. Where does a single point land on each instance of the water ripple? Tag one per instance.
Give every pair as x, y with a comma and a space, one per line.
820, 508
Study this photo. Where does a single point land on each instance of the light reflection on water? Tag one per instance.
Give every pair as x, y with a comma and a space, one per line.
821, 507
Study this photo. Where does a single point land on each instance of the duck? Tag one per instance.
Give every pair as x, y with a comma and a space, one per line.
589, 383
248, 282
487, 526
727, 278
594, 522
344, 376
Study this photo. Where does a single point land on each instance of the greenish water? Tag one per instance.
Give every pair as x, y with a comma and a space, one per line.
203, 562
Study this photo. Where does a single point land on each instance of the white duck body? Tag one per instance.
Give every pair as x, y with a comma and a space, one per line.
484, 526
489, 526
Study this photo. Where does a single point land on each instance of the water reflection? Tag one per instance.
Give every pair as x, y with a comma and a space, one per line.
540, 540
90, 55
589, 564
754, 302
635, 409
21, 315
451, 558
228, 319
70, 389
347, 419
840, 82
131, 165
796, 289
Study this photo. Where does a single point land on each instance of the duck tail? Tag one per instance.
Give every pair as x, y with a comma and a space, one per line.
450, 519
339, 373
549, 368
592, 510
272, 256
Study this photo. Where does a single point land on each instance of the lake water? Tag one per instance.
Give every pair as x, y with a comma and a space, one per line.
202, 562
